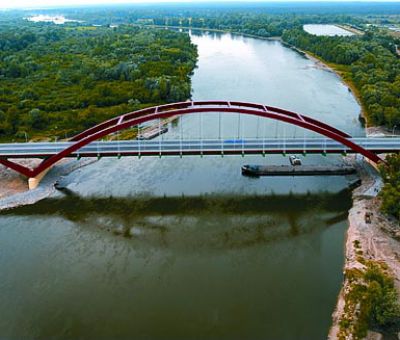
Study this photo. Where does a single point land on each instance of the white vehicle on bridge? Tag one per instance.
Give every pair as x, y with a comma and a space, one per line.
294, 160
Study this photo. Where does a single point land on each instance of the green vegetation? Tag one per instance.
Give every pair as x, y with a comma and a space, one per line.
58, 80
369, 61
391, 191
370, 302
262, 25
116, 69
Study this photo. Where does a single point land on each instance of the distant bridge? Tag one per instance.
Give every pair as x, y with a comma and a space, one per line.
86, 143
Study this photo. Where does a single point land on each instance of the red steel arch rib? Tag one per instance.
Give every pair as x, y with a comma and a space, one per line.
164, 111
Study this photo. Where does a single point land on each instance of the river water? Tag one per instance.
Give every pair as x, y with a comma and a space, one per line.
188, 248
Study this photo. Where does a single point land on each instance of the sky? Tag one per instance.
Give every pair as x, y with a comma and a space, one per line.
56, 3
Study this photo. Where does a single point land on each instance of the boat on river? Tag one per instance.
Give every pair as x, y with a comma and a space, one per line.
297, 170
152, 133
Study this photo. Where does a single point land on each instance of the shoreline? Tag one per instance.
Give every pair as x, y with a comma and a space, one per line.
23, 196
336, 69
350, 29
376, 241
216, 30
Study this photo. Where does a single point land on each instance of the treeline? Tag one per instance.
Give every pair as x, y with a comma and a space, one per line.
370, 61
253, 23
58, 80
226, 13
262, 25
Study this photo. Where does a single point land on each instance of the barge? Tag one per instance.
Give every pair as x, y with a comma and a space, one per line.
299, 170
152, 133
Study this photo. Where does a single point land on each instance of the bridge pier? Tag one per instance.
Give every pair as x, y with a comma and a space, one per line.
33, 182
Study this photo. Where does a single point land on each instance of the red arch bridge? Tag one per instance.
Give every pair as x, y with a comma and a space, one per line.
87, 144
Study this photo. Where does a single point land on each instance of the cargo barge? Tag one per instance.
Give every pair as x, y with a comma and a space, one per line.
152, 133
299, 170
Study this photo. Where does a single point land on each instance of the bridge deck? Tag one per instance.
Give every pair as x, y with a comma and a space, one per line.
196, 147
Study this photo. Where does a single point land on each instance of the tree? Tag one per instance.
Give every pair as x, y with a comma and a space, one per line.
36, 119
391, 191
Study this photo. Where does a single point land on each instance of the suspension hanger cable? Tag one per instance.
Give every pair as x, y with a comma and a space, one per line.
160, 135
201, 133
140, 141
242, 136
221, 134
264, 133
181, 128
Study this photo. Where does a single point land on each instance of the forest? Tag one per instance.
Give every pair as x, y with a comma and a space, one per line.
391, 191
59, 80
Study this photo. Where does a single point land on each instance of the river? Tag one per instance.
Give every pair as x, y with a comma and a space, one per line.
188, 248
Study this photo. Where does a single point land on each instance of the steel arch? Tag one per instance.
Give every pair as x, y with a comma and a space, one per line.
164, 111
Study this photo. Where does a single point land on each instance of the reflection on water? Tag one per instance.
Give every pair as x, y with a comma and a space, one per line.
218, 222
210, 267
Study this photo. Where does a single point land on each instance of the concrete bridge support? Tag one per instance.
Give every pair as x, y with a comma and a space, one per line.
33, 182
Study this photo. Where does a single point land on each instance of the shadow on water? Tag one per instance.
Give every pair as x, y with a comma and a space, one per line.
205, 222
73, 207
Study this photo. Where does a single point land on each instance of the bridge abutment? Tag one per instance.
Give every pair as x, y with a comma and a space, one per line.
33, 182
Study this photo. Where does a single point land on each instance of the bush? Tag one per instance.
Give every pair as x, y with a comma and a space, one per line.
391, 191
371, 303
382, 299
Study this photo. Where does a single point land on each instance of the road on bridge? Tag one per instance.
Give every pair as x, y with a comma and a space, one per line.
197, 147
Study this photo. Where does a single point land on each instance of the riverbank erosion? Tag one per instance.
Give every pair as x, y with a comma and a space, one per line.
14, 190
372, 239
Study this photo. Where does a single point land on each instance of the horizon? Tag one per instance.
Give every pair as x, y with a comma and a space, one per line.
53, 4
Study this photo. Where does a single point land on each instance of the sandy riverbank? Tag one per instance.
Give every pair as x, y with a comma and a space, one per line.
378, 241
14, 187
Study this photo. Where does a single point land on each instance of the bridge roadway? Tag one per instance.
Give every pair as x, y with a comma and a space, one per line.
197, 147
